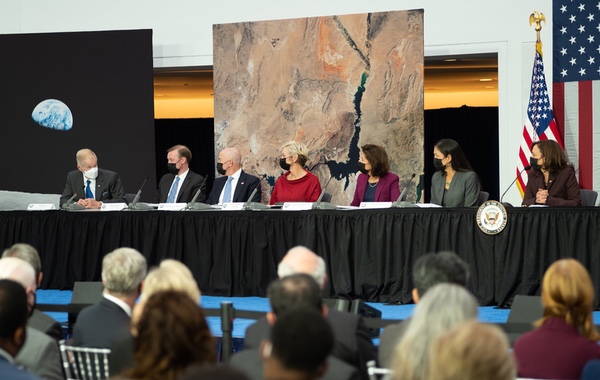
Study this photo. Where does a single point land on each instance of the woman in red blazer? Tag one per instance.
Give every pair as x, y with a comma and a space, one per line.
375, 183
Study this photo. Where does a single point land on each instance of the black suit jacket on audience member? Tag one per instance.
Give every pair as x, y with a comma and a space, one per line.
100, 325
190, 185
250, 362
108, 187
389, 339
246, 184
352, 342
45, 324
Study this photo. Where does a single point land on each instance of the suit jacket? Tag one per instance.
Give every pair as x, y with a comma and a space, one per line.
188, 188
463, 191
250, 362
245, 185
108, 187
12, 372
100, 325
45, 324
388, 341
353, 344
387, 190
562, 187
40, 355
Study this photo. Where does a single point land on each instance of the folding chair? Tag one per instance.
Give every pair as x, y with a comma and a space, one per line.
84, 363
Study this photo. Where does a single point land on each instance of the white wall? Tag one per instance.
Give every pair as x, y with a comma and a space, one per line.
183, 36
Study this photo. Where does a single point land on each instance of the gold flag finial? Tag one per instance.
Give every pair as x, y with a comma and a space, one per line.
537, 18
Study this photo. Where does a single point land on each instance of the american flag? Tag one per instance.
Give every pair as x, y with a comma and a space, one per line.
539, 120
576, 87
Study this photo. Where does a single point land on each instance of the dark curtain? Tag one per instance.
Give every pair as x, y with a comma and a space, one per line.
476, 130
196, 134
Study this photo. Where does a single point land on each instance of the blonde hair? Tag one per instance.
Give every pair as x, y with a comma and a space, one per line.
170, 275
298, 148
472, 351
568, 293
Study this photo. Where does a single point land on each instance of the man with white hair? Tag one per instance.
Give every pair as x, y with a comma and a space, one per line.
99, 325
352, 342
39, 354
235, 185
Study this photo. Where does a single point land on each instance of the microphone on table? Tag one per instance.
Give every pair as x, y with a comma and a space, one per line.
192, 205
401, 201
318, 205
135, 205
249, 205
528, 167
71, 205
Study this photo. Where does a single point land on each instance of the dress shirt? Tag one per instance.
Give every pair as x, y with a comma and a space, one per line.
126, 308
92, 185
234, 181
181, 179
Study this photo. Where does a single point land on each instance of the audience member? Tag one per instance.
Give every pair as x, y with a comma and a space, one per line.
180, 184
565, 338
38, 320
123, 271
39, 354
428, 271
172, 334
13, 331
472, 351
296, 184
93, 186
235, 185
442, 308
216, 372
352, 342
295, 295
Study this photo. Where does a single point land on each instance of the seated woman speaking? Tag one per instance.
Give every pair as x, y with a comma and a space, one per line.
375, 183
455, 184
552, 179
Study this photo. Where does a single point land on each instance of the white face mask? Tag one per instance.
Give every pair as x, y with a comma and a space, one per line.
92, 173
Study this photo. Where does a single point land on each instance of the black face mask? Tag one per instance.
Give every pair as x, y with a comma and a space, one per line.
361, 167
284, 165
437, 163
534, 164
172, 168
220, 169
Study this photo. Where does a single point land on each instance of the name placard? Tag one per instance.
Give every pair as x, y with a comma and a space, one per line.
297, 206
41, 207
233, 206
370, 205
113, 206
171, 206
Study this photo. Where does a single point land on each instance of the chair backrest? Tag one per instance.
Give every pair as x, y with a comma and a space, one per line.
483, 196
376, 373
129, 197
588, 197
326, 197
84, 363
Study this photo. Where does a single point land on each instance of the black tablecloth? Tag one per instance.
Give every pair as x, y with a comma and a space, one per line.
369, 253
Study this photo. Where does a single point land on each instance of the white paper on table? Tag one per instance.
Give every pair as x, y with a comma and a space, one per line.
372, 205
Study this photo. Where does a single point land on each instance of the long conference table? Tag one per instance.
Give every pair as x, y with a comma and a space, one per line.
369, 253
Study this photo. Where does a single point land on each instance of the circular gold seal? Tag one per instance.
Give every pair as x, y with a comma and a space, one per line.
491, 217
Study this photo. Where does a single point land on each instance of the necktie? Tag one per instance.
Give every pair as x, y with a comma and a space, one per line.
173, 192
227, 193
88, 191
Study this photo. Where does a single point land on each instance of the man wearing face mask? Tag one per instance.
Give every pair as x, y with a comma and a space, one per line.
180, 184
235, 185
92, 185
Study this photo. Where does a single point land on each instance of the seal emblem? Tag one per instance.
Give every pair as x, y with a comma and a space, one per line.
491, 217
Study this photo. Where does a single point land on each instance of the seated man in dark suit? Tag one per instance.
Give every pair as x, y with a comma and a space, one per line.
38, 320
93, 186
13, 324
180, 184
235, 185
352, 342
301, 340
428, 271
99, 325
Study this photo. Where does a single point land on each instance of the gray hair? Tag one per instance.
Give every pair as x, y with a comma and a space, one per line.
25, 252
123, 270
442, 308
18, 270
83, 154
284, 269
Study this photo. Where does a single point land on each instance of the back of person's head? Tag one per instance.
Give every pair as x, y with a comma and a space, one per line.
216, 372
171, 275
123, 270
293, 292
25, 252
13, 315
553, 155
302, 260
442, 308
459, 160
435, 268
378, 158
472, 351
172, 335
568, 293
21, 271
300, 342
298, 148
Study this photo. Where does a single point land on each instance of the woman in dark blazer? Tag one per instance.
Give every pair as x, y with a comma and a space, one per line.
454, 184
552, 179
375, 183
